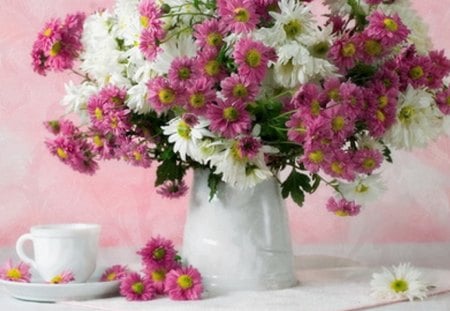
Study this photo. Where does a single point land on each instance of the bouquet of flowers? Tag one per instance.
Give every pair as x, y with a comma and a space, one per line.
246, 89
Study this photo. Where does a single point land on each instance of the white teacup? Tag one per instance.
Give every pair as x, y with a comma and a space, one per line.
62, 248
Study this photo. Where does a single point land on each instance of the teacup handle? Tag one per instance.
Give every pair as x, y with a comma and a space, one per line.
20, 250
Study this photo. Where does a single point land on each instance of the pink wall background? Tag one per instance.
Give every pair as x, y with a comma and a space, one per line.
36, 188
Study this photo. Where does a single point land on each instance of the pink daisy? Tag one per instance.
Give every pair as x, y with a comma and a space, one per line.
443, 101
343, 207
137, 154
63, 278
210, 67
239, 89
161, 94
344, 52
209, 34
173, 189
367, 160
158, 253
183, 72
297, 128
370, 49
440, 68
149, 42
199, 95
340, 165
113, 273
184, 284
16, 273
105, 145
150, 14
373, 2
158, 278
341, 120
248, 147
229, 119
238, 15
252, 58
389, 30
307, 100
331, 90
135, 287
314, 156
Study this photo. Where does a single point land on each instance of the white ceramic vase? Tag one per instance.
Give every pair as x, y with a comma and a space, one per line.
239, 240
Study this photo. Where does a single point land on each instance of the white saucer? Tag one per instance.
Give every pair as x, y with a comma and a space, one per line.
36, 290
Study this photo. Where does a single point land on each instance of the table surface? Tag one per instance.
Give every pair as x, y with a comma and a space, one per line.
326, 283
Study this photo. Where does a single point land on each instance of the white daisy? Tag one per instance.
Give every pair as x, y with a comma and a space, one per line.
128, 25
363, 190
185, 137
402, 281
77, 96
137, 98
418, 121
182, 46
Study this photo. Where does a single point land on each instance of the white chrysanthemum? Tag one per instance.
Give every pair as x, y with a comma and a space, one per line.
294, 22
186, 138
418, 121
419, 30
238, 171
402, 281
137, 98
363, 190
182, 46
365, 141
101, 58
128, 25
77, 96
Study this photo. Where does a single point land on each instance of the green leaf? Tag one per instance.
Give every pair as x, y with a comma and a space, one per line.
295, 185
358, 13
169, 170
213, 182
387, 154
361, 73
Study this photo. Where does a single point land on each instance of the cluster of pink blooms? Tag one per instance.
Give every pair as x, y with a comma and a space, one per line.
163, 274
58, 44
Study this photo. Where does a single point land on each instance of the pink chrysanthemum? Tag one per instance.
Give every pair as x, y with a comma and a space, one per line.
209, 34
440, 68
248, 147
343, 207
238, 15
135, 287
161, 94
210, 67
158, 253
389, 30
331, 90
373, 2
297, 128
184, 284
199, 95
229, 119
340, 119
370, 49
173, 189
113, 273
340, 165
344, 52
239, 89
183, 72
252, 58
58, 44
149, 42
315, 156
106, 146
307, 100
443, 101
150, 14
158, 278
137, 154
16, 273
367, 160
63, 278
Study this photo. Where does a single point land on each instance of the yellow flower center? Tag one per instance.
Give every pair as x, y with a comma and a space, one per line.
416, 72
380, 116
47, 32
241, 15
337, 168
97, 141
338, 123
383, 100
334, 94
230, 114
137, 155
111, 276
253, 58
320, 49
214, 39
399, 286
373, 47
159, 253
56, 279
349, 49
185, 281
98, 114
14, 274
138, 288
361, 188
144, 21
316, 156
293, 28
369, 163
184, 130
166, 96
239, 90
184, 73
315, 107
406, 115
114, 122
158, 275
197, 100
212, 68
448, 101
341, 213
390, 24
61, 153
56, 48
